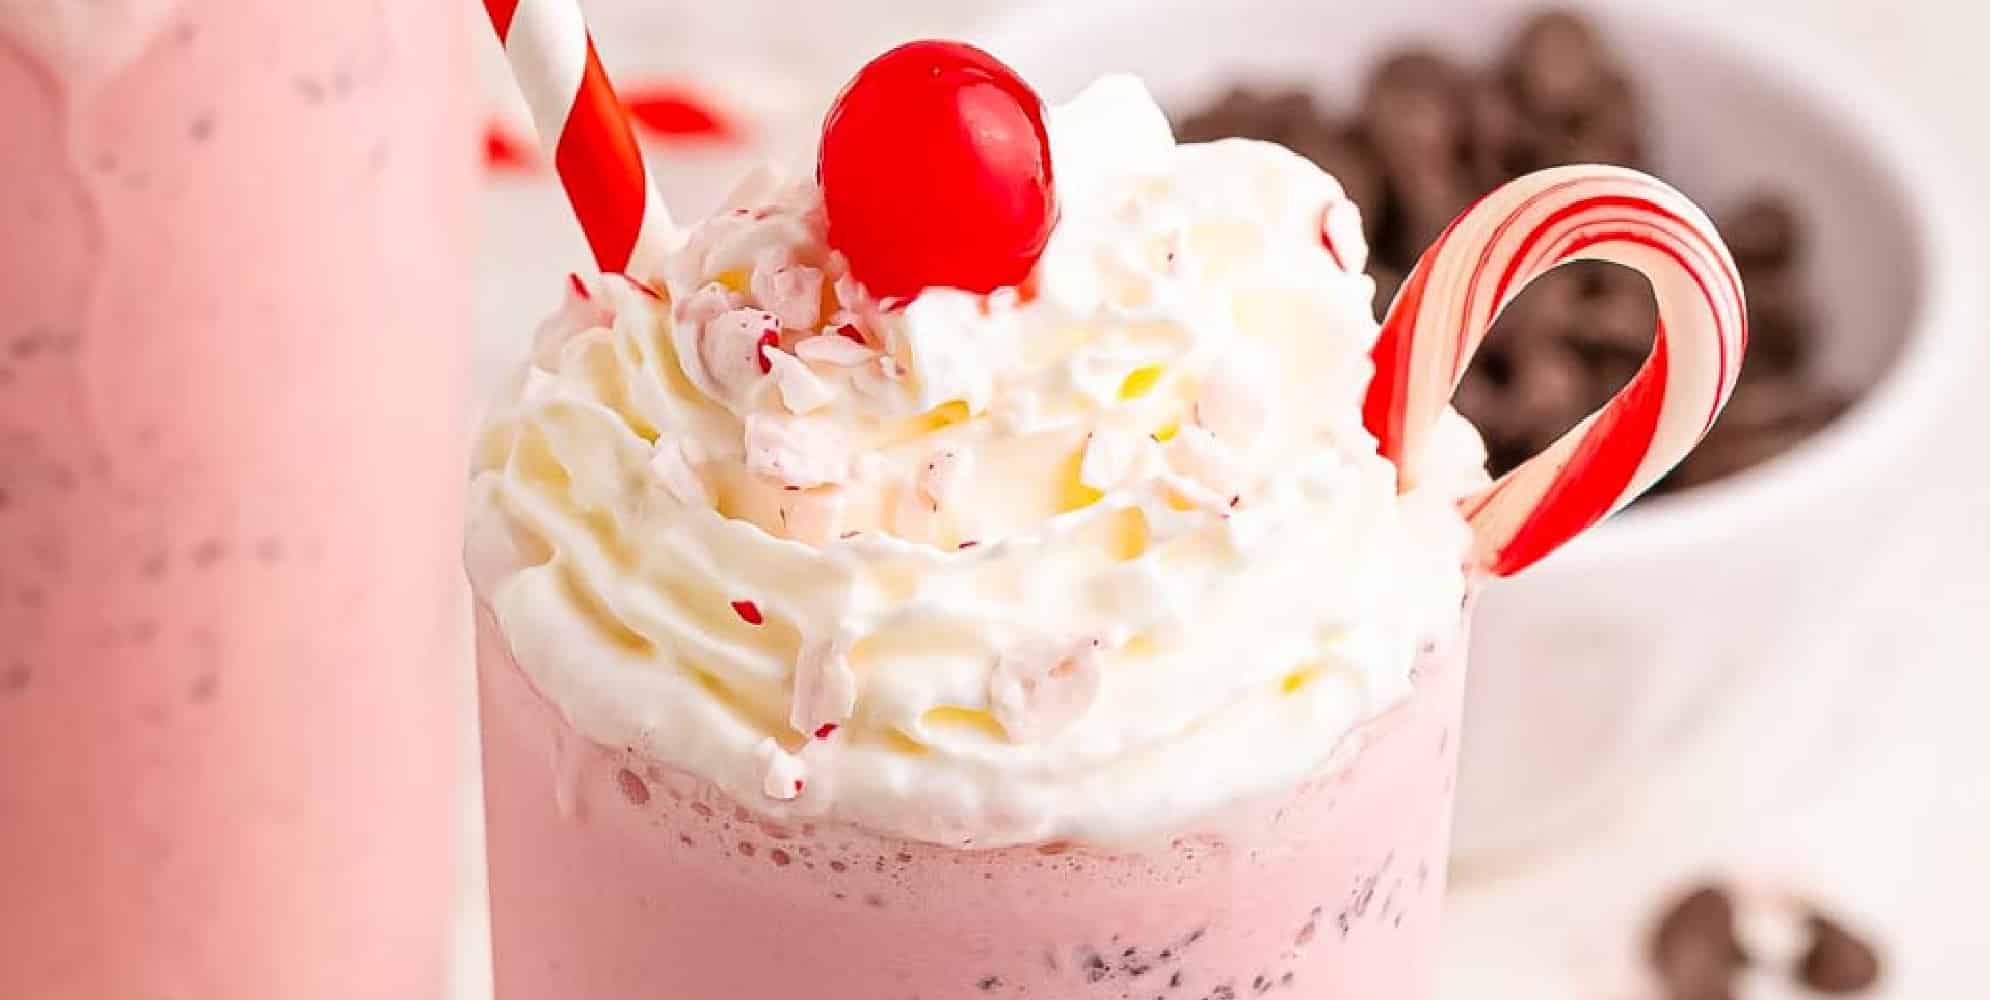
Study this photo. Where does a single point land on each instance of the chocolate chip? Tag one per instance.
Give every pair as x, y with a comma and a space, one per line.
1414, 109
1549, 391
1556, 64
1478, 395
1763, 232
1838, 961
1429, 135
1609, 130
1781, 325
1426, 200
1617, 322
1547, 310
1694, 946
1252, 114
1505, 143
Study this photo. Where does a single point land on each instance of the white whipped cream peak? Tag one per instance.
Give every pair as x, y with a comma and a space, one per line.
1089, 558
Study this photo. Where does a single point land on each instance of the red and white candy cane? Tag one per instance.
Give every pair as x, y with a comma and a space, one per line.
1480, 263
585, 130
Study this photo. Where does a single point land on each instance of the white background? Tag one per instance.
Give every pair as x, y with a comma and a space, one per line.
1896, 835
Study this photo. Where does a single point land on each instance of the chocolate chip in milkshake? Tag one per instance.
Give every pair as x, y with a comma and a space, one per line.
209, 552
204, 687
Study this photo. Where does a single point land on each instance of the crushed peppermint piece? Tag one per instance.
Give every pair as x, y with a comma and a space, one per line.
813, 516
734, 347
835, 350
848, 289
791, 291
707, 304
1040, 687
880, 380
784, 770
802, 391
748, 612
797, 452
825, 690
826, 730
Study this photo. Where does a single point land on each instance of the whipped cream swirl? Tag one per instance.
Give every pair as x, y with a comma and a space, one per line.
1087, 559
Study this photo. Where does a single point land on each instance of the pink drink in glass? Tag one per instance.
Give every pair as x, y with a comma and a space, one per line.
232, 352
1066, 641
615, 878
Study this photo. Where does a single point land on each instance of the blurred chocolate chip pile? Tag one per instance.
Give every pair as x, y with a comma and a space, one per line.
1431, 135
1710, 936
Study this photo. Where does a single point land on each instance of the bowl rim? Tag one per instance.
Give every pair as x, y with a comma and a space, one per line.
1938, 353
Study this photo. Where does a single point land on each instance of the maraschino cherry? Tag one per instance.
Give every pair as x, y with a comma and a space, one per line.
935, 172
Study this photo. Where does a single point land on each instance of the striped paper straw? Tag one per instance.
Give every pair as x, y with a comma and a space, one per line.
585, 130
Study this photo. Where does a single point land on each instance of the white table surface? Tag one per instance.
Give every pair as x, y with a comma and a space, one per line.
1893, 829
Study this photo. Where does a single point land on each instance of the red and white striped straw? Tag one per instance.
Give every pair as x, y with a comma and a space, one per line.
585, 130
1481, 263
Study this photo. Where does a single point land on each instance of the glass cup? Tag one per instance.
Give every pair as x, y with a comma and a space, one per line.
615, 877
233, 352
603, 548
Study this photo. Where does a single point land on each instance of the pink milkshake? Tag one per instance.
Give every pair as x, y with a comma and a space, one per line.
231, 367
1060, 641
1014, 563
618, 877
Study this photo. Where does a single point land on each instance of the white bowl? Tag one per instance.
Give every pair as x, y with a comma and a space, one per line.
1735, 611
